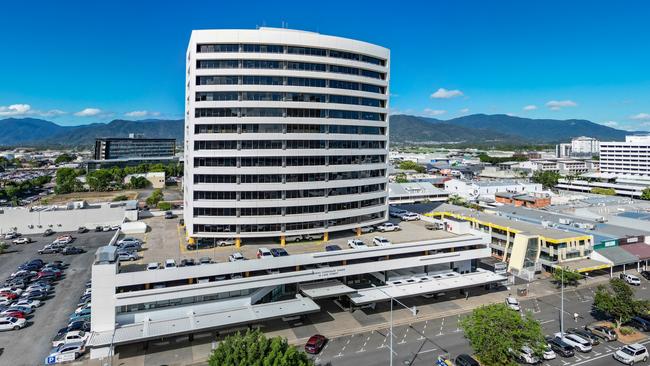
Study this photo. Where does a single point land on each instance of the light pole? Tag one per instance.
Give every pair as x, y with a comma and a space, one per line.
562, 304
413, 310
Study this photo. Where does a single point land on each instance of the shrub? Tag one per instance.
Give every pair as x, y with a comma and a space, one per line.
627, 330
120, 198
165, 206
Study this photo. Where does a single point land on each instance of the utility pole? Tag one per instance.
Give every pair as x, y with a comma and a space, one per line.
413, 310
562, 305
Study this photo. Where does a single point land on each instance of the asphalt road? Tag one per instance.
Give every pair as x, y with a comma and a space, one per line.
30, 345
420, 343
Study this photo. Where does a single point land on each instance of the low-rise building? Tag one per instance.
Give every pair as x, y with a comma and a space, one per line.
157, 179
401, 193
534, 200
472, 190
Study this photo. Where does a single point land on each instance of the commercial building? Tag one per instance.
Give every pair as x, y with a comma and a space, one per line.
473, 190
535, 200
286, 133
129, 148
580, 147
402, 193
130, 307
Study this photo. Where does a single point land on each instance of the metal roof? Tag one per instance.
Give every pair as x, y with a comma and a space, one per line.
318, 290
414, 189
618, 256
639, 250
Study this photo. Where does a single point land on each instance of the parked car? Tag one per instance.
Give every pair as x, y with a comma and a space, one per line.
11, 235
380, 241
152, 266
188, 262
548, 354
169, 215
23, 240
592, 338
645, 274
79, 325
170, 263
48, 232
49, 249
631, 353
78, 317
24, 309
513, 304
364, 229
293, 238
526, 356
640, 323
464, 359
9, 323
279, 252
235, 257
356, 244
82, 229
560, 347
75, 336
29, 303
72, 250
127, 240
631, 279
332, 248
409, 216
74, 349
205, 260
396, 212
98, 229
315, 236
575, 341
388, 226
14, 314
226, 242
315, 344
127, 256
263, 253
63, 239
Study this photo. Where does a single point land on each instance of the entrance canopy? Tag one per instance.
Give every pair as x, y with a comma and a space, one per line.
322, 289
584, 265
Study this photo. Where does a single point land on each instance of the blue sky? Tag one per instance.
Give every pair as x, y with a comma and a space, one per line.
77, 62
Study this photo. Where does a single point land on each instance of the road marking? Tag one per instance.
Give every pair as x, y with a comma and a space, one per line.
442, 325
346, 343
427, 351
546, 321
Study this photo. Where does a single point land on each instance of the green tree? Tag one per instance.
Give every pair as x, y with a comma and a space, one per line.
164, 206
156, 196
485, 158
138, 182
645, 195
411, 165
494, 330
546, 178
604, 191
566, 277
99, 180
455, 199
156, 168
401, 178
66, 181
254, 349
618, 301
64, 158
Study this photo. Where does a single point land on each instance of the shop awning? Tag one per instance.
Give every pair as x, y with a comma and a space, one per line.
322, 289
584, 265
617, 255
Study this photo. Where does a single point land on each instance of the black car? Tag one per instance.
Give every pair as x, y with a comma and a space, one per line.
169, 215
187, 262
645, 274
35, 295
98, 229
79, 325
72, 250
29, 267
466, 360
82, 229
332, 248
640, 323
48, 232
279, 252
560, 347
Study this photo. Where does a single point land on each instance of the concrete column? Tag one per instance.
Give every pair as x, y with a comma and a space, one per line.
283, 241
358, 231
326, 236
237, 242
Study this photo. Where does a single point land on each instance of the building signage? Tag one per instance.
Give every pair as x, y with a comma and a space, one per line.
334, 272
610, 243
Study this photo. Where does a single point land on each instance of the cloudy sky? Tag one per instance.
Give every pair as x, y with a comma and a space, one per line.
78, 62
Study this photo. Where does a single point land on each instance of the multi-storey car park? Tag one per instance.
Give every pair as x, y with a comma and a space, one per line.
286, 133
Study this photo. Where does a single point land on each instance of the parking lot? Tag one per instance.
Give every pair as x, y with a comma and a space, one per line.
29, 346
165, 239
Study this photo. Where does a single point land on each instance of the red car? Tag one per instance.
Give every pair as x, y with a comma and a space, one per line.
48, 274
315, 344
15, 314
9, 295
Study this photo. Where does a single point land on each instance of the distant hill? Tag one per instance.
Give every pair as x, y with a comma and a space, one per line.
528, 129
472, 129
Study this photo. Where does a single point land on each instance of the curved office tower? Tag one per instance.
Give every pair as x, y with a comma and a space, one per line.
286, 134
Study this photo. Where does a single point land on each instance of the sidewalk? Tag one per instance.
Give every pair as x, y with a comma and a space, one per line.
333, 322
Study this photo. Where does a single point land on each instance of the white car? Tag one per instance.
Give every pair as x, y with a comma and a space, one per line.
576, 341
364, 229
631, 279
115, 227
129, 240
65, 239
11, 235
235, 257
380, 241
226, 242
23, 240
15, 290
9, 323
264, 253
356, 244
527, 356
152, 266
409, 216
548, 354
513, 304
5, 301
75, 349
631, 353
106, 228
75, 336
170, 263
29, 303
388, 226
82, 308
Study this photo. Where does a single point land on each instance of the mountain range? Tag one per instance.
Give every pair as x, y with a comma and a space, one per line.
471, 129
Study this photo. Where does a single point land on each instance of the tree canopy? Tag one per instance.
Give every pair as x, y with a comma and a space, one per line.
547, 178
618, 301
485, 158
64, 158
411, 165
66, 181
645, 194
566, 276
494, 330
254, 349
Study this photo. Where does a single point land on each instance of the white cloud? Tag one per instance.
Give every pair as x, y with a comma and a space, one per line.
530, 107
510, 114
15, 110
142, 114
443, 93
556, 105
641, 117
88, 112
610, 123
52, 113
434, 112
464, 110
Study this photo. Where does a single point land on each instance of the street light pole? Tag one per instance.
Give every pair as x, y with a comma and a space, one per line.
413, 310
562, 306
